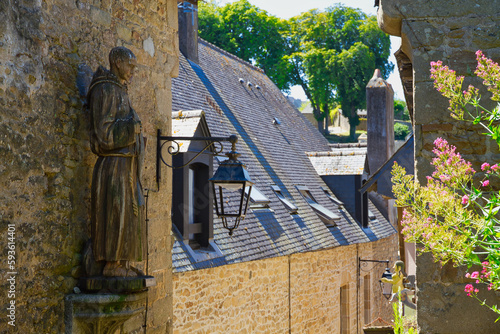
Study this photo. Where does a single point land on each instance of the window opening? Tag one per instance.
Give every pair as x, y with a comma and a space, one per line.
332, 198
257, 199
367, 304
286, 202
365, 216
192, 209
344, 309
326, 216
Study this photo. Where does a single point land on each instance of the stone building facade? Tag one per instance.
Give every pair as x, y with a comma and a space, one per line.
292, 264
48, 50
451, 31
299, 293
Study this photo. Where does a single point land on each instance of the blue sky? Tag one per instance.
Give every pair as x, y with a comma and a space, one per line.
289, 8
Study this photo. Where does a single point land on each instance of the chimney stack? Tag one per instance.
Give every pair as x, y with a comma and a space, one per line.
380, 121
188, 29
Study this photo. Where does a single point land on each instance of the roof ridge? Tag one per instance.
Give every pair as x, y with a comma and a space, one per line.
347, 145
230, 55
334, 153
180, 114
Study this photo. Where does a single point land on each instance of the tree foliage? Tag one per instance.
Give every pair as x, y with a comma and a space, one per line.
401, 111
249, 33
331, 54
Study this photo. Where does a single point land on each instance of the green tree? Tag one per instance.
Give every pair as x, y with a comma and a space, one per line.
249, 33
333, 55
401, 111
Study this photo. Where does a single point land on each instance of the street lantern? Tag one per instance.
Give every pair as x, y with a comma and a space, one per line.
231, 180
385, 286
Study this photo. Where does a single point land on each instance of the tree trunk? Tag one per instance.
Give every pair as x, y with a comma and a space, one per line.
317, 115
352, 130
321, 127
327, 119
353, 122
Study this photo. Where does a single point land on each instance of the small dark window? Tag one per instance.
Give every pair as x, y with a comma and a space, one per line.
364, 208
192, 208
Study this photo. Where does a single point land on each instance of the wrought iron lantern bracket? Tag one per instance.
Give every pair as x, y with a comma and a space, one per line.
364, 263
230, 176
174, 147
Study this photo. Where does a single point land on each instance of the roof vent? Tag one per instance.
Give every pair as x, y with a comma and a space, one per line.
241, 80
258, 87
276, 121
249, 84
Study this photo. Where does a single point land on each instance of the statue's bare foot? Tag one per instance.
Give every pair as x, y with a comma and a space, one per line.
114, 269
138, 272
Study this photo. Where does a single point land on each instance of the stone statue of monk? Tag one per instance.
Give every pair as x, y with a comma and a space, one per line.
118, 229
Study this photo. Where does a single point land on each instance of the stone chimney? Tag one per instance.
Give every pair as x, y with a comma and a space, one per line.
188, 29
380, 121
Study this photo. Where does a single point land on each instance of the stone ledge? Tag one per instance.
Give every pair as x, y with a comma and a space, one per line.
116, 284
101, 313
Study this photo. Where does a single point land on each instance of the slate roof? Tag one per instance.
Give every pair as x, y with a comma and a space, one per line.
339, 161
380, 180
238, 98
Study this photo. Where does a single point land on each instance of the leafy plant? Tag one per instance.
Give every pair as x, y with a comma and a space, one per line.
401, 131
402, 325
455, 216
401, 111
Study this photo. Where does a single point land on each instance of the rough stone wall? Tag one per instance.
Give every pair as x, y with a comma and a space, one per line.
451, 31
301, 292
250, 297
46, 166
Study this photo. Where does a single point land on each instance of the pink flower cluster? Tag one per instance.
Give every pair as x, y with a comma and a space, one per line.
465, 199
450, 168
449, 85
469, 288
489, 71
479, 277
485, 167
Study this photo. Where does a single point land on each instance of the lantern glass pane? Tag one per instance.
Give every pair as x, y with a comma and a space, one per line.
387, 289
231, 186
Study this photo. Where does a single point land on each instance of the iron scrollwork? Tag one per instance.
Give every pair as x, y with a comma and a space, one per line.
174, 148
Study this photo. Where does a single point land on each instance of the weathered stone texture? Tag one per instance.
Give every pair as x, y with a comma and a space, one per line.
46, 166
300, 293
451, 31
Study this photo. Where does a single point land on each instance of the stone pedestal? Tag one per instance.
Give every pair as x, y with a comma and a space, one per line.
102, 313
116, 284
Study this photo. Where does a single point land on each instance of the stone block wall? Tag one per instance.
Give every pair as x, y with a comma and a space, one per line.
299, 293
46, 166
451, 31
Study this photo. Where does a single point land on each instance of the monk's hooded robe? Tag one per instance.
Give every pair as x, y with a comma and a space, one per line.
117, 225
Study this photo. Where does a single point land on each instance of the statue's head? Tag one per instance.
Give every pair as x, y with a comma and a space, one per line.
122, 62
399, 266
